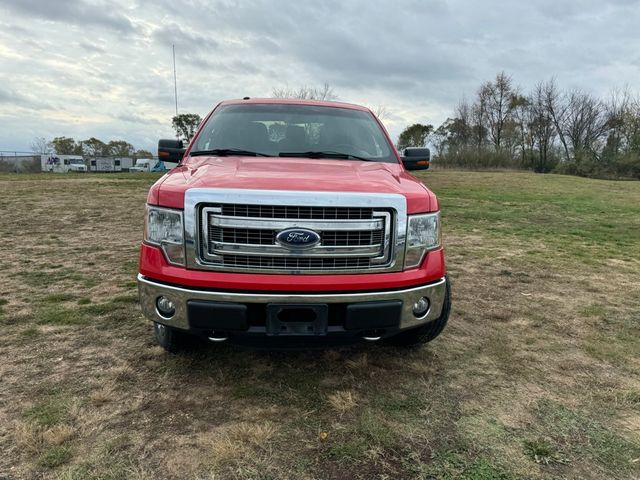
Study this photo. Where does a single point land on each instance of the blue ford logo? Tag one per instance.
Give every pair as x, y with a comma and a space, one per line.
298, 238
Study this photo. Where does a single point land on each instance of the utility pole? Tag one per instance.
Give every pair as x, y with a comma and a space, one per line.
175, 80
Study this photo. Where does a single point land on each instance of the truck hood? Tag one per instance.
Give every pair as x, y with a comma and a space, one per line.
268, 173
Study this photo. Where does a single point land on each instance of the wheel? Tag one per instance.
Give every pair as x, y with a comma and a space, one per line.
170, 339
427, 332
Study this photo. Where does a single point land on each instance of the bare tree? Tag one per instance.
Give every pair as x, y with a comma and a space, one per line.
464, 126
41, 146
619, 112
595, 137
542, 127
585, 123
325, 92
381, 112
440, 139
557, 108
521, 122
631, 125
479, 116
498, 96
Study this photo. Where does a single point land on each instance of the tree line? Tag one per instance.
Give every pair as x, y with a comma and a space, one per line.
92, 147
545, 130
184, 124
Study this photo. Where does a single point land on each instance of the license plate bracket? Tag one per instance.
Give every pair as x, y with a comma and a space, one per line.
299, 319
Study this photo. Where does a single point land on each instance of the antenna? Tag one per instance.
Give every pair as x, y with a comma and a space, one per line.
175, 81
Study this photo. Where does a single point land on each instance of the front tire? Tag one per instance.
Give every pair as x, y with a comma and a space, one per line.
427, 332
170, 339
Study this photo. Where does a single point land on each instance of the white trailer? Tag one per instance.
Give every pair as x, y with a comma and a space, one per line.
110, 164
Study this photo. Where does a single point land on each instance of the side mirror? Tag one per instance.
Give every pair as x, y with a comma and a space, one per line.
416, 158
170, 150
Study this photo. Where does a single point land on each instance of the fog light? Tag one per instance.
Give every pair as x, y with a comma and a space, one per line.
165, 307
421, 307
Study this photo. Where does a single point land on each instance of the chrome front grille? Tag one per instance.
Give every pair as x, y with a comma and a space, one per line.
243, 236
235, 230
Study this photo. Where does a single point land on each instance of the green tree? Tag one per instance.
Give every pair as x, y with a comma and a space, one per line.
94, 147
186, 125
66, 146
120, 148
143, 154
415, 135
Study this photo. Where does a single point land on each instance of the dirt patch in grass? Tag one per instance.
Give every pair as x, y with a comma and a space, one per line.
537, 375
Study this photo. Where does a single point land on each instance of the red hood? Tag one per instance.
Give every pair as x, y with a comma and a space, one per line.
291, 174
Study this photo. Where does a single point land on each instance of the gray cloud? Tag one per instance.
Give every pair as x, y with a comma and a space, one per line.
92, 47
172, 33
133, 117
91, 68
17, 99
77, 12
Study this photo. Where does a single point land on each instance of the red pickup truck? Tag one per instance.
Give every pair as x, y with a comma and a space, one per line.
292, 222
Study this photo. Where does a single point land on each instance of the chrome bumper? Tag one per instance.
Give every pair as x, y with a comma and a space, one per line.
150, 290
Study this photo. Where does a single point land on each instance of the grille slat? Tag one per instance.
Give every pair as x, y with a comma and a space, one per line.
349, 239
267, 237
294, 263
245, 236
296, 212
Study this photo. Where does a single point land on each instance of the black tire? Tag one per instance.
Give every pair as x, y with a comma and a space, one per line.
427, 332
170, 339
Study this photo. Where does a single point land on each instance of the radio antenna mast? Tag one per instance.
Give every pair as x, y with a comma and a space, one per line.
175, 81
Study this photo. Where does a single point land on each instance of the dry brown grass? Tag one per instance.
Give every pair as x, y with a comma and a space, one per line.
240, 447
537, 375
35, 439
29, 438
102, 396
342, 401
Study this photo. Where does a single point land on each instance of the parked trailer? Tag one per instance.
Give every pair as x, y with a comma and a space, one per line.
110, 164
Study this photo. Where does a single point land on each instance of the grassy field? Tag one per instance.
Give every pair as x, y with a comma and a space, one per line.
537, 375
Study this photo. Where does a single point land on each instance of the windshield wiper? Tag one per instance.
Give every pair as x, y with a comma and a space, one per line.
325, 154
223, 152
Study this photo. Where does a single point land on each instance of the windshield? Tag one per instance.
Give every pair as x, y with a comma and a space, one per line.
306, 130
76, 161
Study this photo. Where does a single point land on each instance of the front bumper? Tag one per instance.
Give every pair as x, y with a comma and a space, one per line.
348, 313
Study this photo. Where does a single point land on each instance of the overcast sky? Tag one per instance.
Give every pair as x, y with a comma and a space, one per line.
85, 68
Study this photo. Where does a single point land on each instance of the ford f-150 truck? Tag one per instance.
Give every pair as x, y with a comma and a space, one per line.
292, 222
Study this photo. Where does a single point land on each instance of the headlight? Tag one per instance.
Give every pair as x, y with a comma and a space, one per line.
163, 227
423, 234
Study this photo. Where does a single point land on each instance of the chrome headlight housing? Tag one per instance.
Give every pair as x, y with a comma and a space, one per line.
423, 234
163, 227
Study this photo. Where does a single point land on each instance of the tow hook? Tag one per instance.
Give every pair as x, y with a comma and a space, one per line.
217, 337
372, 335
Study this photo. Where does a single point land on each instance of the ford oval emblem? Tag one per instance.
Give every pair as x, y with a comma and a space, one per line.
298, 238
